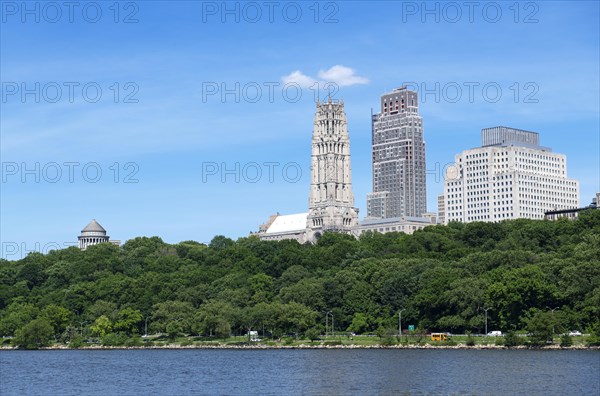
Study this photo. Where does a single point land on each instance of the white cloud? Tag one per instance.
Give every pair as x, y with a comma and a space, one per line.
299, 78
342, 76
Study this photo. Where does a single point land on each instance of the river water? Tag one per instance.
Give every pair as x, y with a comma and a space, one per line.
296, 372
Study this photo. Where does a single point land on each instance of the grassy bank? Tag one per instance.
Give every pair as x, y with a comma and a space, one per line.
457, 341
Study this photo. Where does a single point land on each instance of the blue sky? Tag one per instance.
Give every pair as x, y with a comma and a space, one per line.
157, 121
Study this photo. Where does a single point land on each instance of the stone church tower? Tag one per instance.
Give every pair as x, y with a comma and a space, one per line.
331, 201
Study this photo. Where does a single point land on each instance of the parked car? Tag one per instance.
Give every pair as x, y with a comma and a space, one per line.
575, 333
495, 333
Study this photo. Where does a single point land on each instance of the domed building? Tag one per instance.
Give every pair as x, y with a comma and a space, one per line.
93, 234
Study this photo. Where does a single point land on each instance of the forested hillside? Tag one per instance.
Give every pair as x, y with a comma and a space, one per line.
442, 277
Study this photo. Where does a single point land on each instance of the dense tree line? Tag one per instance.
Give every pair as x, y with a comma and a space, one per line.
442, 277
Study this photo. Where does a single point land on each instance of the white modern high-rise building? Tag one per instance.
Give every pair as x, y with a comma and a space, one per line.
511, 176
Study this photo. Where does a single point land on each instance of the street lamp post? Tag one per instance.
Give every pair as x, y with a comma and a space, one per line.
400, 322
332, 327
81, 328
146, 326
486, 309
553, 309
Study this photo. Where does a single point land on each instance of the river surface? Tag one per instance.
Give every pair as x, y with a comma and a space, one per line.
297, 372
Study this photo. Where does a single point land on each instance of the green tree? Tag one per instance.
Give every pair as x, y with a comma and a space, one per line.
566, 340
263, 316
292, 275
309, 292
100, 308
262, 287
59, 317
168, 312
222, 329
511, 339
128, 321
174, 328
36, 334
517, 290
17, 315
33, 269
214, 314
220, 242
312, 334
360, 323
294, 318
540, 327
102, 326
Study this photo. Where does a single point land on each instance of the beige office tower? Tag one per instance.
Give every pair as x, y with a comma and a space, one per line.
441, 209
399, 181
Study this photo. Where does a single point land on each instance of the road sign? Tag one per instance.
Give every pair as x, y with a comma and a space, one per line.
411, 327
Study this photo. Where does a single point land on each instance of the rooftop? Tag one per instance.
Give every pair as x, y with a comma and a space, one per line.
394, 220
288, 223
93, 226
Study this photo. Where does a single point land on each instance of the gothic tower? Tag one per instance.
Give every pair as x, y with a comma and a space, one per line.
331, 201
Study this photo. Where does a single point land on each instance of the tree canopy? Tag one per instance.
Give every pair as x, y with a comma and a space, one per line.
442, 277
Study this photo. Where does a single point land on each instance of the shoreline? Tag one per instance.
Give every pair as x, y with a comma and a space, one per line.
309, 346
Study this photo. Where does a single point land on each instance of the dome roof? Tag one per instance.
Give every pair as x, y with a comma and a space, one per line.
94, 226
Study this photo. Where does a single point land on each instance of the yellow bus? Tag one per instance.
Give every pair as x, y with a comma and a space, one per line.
439, 337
